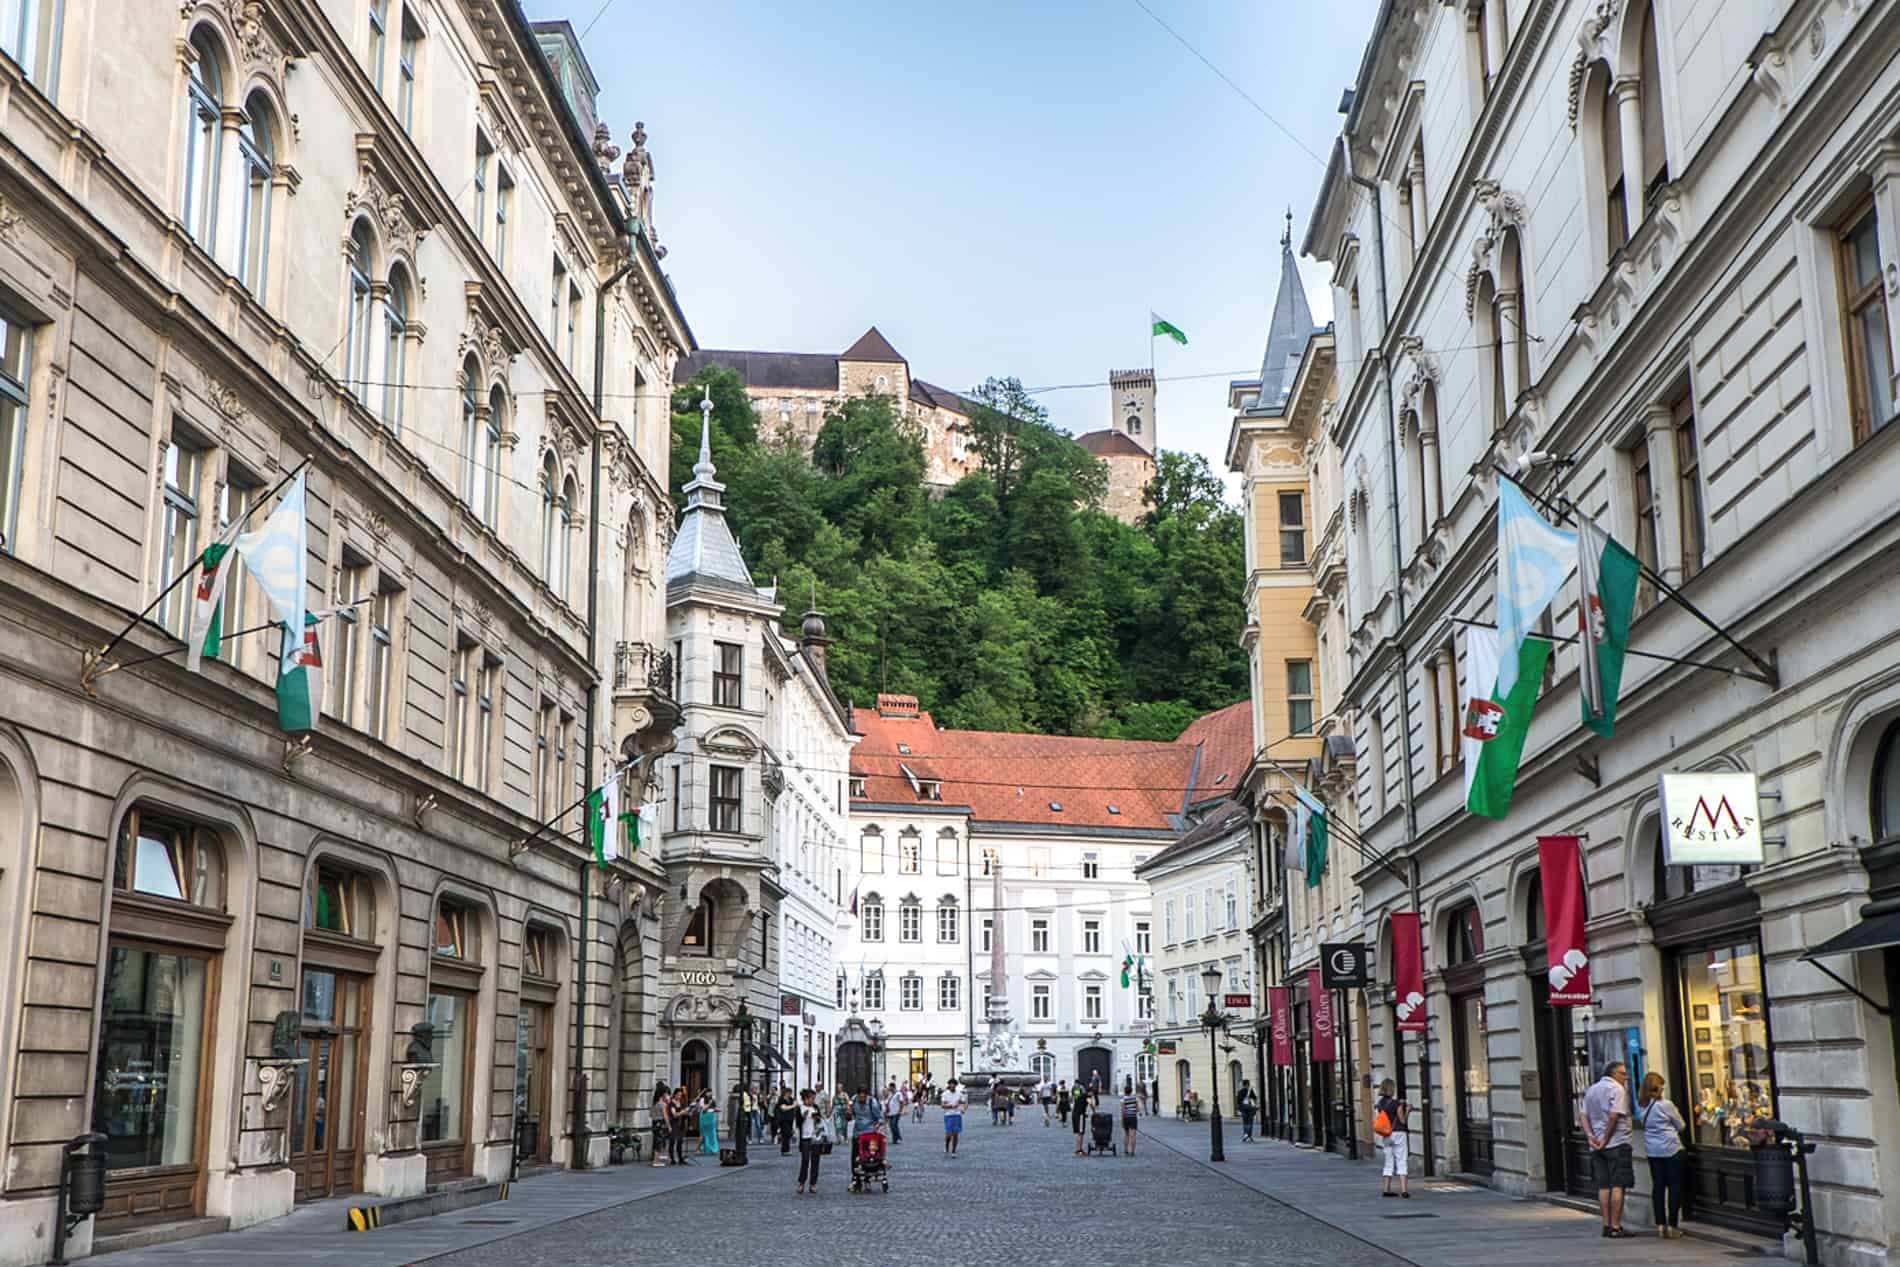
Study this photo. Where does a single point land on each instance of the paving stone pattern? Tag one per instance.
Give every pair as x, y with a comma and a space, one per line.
1016, 1196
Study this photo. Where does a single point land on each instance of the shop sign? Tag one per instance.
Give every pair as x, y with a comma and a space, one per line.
1560, 872
1236, 1000
1165, 1047
790, 1005
1281, 1007
1710, 818
1342, 965
1325, 1051
1408, 973
698, 976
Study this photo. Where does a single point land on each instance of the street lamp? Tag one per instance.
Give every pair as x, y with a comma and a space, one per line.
1214, 1021
877, 1050
741, 1127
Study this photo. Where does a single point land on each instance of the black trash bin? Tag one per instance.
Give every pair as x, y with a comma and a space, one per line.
1774, 1180
527, 1134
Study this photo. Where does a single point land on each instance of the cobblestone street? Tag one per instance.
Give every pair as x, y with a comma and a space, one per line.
1015, 1196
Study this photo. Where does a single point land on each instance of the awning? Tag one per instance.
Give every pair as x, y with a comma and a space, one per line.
770, 1056
1879, 928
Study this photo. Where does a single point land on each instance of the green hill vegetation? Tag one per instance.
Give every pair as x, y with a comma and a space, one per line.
1008, 603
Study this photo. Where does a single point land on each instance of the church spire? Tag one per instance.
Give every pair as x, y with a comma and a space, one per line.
705, 490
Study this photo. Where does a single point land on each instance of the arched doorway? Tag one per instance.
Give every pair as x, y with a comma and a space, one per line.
1044, 1065
1235, 1076
1094, 1065
854, 1066
695, 1066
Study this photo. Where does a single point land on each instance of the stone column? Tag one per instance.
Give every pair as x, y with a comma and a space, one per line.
1886, 182
1659, 433
1434, 489
228, 233
1629, 116
1510, 324
1408, 242
1421, 213
377, 362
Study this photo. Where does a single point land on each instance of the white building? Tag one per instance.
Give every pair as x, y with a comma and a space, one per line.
934, 813
1657, 239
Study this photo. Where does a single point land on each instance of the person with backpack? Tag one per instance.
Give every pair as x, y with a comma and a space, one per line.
1248, 1106
1390, 1117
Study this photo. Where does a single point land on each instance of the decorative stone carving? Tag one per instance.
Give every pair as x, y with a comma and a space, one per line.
1503, 211
484, 614
9, 219
226, 400
410, 1078
273, 1079
399, 228
605, 151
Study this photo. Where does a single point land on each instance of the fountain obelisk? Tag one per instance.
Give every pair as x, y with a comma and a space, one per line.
1000, 1054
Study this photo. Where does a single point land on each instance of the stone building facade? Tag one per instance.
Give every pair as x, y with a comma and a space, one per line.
1127, 446
793, 392
235, 238
1655, 240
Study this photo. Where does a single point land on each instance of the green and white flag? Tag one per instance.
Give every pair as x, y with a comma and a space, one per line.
300, 678
1495, 722
277, 560
1606, 600
1158, 328
607, 826
1310, 818
215, 566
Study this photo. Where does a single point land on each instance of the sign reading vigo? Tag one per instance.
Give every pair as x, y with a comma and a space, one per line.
698, 976
1710, 818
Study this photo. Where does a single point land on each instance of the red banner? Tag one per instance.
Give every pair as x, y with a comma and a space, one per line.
1281, 1008
1325, 1049
1561, 873
1408, 973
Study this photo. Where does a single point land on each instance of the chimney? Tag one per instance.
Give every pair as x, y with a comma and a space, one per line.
812, 640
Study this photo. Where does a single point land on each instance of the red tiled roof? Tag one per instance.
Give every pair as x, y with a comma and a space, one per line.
1226, 739
1015, 778
1111, 444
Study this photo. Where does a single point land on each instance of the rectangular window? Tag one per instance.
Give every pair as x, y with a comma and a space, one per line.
910, 854
484, 159
1039, 1003
504, 205
573, 322
184, 466
1724, 1037
1144, 939
910, 994
946, 923
1869, 354
1299, 697
380, 696
946, 855
543, 759
487, 700
949, 994
378, 35
1688, 487
841, 990
1039, 936
350, 582
1091, 936
989, 930
726, 798
556, 289
455, 741
1039, 861
871, 853
1648, 520
240, 491
1091, 1002
1167, 922
1233, 906
1091, 867
727, 681
1145, 1006
989, 862
1192, 930
874, 992
1174, 1002
874, 921
411, 44
1292, 530
1207, 911
910, 922
676, 798
16, 363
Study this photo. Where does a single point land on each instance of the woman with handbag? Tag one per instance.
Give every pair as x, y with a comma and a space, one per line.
1663, 1125
662, 1113
1389, 1118
813, 1141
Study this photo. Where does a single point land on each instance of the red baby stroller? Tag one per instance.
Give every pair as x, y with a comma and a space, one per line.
868, 1165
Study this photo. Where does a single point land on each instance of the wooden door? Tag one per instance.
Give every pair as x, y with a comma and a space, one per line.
533, 1068
1473, 1073
326, 1103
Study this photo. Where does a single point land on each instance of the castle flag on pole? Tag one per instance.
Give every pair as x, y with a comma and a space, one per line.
1157, 328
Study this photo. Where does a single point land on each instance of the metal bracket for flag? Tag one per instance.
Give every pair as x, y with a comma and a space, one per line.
1589, 765
295, 748
423, 805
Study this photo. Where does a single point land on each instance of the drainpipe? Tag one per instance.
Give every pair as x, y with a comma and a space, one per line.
586, 878
1398, 641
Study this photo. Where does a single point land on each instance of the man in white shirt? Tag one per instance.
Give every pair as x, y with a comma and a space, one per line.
953, 1104
1605, 1115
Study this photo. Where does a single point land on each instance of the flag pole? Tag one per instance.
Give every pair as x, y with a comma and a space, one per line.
521, 846
223, 638
1565, 509
1647, 655
92, 670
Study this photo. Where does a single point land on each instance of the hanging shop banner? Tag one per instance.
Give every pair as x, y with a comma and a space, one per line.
1560, 871
1325, 1049
1408, 973
1710, 818
1281, 1005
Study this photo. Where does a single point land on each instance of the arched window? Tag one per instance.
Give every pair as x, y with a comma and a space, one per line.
871, 917
1610, 154
491, 454
550, 518
563, 563
1464, 935
1516, 328
340, 901
257, 151
395, 349
357, 334
1885, 797
1655, 170
169, 858
1415, 474
471, 436
1490, 337
698, 939
871, 851
203, 108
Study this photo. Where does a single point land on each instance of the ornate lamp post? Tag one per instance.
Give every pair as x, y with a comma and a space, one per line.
741, 1127
877, 1051
1214, 1021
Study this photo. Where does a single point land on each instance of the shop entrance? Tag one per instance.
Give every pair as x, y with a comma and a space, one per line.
1563, 1075
695, 1067
326, 1101
533, 1067
854, 1066
1472, 1066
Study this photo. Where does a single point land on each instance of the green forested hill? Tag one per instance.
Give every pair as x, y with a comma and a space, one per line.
1009, 603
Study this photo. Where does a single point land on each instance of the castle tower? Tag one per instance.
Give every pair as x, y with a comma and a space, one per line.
1131, 406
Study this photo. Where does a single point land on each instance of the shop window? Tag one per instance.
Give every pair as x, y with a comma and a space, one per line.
699, 928
1885, 794
153, 1027
1725, 1041
341, 901
166, 858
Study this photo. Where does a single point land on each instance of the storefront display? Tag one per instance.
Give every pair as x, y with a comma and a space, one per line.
1725, 1042
444, 1098
151, 1057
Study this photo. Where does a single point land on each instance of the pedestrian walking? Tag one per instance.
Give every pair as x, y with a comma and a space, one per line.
661, 1111
1606, 1120
840, 1113
1244, 1101
1663, 1125
917, 1102
1154, 1096
999, 1102
865, 1114
810, 1124
954, 1101
894, 1112
1141, 1093
757, 1117
1009, 1107
1131, 1116
1390, 1116
783, 1125
1079, 1106
1062, 1100
679, 1126
1046, 1094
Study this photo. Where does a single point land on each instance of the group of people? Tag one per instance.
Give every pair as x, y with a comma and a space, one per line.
678, 1116
1606, 1118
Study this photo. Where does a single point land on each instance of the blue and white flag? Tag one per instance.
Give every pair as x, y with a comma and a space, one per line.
276, 559
1534, 559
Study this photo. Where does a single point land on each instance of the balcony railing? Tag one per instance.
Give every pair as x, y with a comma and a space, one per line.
641, 666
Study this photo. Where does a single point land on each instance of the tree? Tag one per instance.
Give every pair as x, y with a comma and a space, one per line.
1184, 487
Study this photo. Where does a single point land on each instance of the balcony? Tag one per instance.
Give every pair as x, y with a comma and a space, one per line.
645, 711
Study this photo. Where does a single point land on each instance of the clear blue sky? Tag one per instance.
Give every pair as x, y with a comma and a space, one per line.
1000, 188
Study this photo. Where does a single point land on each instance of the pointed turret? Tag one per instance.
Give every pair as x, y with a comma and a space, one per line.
704, 551
1292, 326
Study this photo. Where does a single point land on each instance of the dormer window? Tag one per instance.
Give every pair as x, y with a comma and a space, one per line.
929, 790
1056, 806
857, 787
904, 748
1114, 809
